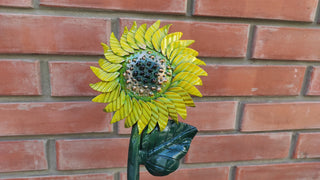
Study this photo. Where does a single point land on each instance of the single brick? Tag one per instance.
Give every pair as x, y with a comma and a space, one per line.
22, 156
290, 171
292, 10
17, 3
211, 39
52, 118
244, 80
219, 173
238, 147
314, 83
69, 177
72, 78
154, 6
206, 116
308, 145
19, 77
280, 116
38, 34
286, 43
92, 153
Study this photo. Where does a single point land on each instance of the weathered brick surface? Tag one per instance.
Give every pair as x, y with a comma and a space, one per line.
292, 10
72, 78
69, 177
280, 116
52, 118
234, 80
211, 39
219, 173
17, 3
155, 6
286, 43
18, 77
22, 156
261, 90
35, 34
92, 153
314, 83
308, 145
238, 147
292, 171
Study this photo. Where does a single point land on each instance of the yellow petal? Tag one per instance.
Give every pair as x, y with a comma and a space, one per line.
123, 41
112, 57
154, 117
124, 110
107, 97
178, 44
134, 115
182, 50
145, 116
116, 104
184, 94
139, 36
103, 86
188, 87
130, 37
109, 67
115, 46
159, 35
172, 112
105, 47
189, 77
104, 76
182, 58
149, 33
168, 39
178, 102
163, 114
189, 67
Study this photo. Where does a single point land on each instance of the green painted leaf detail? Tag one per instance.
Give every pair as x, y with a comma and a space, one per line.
161, 151
149, 33
139, 36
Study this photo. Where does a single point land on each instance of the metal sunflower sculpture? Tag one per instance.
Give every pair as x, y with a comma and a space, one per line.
147, 78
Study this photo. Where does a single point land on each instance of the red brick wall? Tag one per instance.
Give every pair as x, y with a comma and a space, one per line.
259, 119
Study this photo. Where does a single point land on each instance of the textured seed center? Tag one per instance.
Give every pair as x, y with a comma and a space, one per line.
147, 73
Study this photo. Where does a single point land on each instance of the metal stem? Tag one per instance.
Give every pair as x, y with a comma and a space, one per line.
133, 155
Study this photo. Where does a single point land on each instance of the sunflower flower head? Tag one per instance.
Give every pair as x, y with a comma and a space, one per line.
148, 76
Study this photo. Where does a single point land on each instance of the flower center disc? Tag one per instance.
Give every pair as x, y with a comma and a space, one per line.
147, 73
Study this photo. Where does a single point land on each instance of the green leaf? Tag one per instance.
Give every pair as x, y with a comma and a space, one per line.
161, 151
